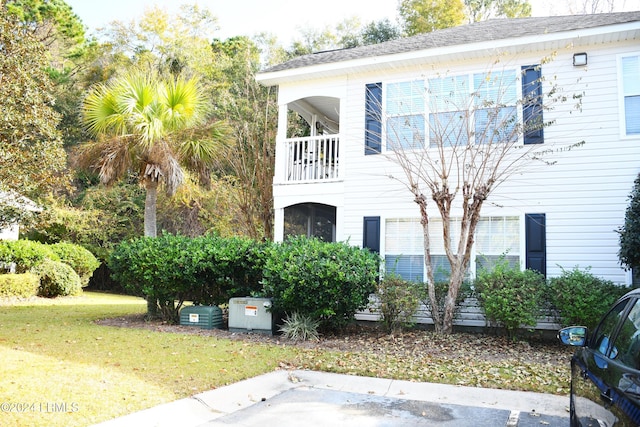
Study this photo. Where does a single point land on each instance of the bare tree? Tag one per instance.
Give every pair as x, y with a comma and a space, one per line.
469, 143
595, 6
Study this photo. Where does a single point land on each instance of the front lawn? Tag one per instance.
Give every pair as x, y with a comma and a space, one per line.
60, 368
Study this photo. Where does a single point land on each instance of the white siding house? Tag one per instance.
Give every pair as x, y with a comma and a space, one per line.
15, 201
335, 183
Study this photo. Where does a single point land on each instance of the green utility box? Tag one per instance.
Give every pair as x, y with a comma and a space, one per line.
202, 316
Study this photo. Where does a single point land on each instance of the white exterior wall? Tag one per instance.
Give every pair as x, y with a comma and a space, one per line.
584, 195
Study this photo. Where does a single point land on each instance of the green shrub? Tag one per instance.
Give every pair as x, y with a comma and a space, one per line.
80, 259
581, 298
325, 281
509, 297
298, 327
57, 279
172, 269
19, 285
399, 300
26, 254
227, 267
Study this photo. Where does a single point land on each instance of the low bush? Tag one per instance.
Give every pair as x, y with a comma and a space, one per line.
25, 254
19, 285
509, 297
57, 279
399, 300
581, 298
80, 259
329, 282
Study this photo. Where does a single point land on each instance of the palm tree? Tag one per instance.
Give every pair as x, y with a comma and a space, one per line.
153, 126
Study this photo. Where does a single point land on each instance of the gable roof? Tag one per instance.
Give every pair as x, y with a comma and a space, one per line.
485, 31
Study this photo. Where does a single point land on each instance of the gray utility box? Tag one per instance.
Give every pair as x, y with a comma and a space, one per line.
251, 315
202, 316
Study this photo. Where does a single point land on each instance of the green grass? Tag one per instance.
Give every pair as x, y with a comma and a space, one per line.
60, 368
72, 372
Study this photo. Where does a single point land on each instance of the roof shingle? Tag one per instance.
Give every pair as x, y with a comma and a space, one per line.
495, 29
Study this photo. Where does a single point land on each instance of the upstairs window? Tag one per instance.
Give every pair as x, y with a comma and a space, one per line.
480, 108
630, 71
405, 115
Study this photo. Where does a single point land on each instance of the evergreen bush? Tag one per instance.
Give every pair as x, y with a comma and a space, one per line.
172, 269
329, 282
19, 285
57, 279
25, 254
80, 259
581, 298
509, 297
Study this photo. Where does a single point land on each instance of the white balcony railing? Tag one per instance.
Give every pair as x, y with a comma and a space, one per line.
312, 158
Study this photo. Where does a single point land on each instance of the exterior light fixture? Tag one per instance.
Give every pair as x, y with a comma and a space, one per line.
579, 59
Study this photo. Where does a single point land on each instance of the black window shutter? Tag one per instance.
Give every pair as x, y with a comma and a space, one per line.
371, 233
536, 242
373, 119
532, 104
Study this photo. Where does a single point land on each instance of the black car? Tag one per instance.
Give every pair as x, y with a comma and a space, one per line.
605, 369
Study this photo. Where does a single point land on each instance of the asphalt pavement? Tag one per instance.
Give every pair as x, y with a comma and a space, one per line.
308, 398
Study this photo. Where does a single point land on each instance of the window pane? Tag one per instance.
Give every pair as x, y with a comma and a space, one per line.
631, 75
632, 114
627, 343
409, 267
496, 125
441, 268
448, 94
603, 335
403, 236
448, 129
405, 132
405, 98
498, 236
495, 88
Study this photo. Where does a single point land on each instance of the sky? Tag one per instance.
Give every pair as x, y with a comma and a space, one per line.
284, 18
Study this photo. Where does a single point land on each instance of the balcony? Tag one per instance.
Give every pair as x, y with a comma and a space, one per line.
312, 158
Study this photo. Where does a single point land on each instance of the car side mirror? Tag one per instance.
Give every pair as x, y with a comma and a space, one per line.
573, 335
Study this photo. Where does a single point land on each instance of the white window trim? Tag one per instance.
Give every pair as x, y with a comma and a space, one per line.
621, 109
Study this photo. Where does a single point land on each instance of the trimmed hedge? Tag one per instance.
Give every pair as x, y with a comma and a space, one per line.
57, 279
329, 282
19, 285
83, 262
26, 254
172, 269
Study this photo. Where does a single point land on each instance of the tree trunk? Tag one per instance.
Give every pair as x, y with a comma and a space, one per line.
150, 204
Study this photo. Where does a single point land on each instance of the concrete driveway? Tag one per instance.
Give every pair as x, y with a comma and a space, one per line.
296, 398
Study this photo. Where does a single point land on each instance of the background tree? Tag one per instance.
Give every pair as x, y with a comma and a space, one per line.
31, 151
482, 10
141, 123
62, 34
593, 6
457, 165
248, 158
424, 16
629, 253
